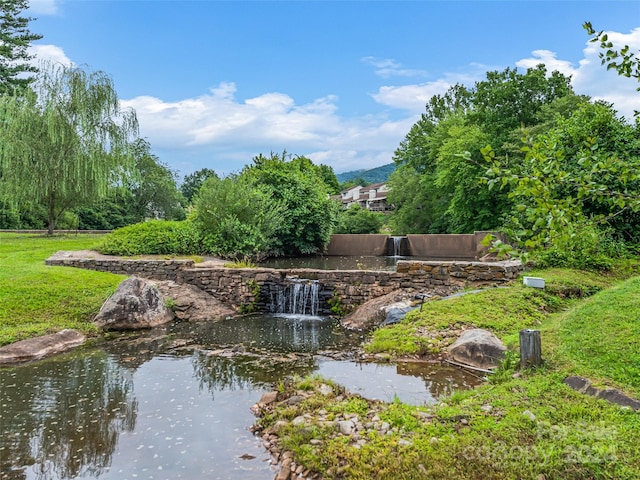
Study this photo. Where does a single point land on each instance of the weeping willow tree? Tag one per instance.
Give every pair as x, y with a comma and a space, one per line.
66, 142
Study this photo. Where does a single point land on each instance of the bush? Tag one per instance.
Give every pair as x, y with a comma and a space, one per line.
359, 220
236, 219
155, 237
584, 248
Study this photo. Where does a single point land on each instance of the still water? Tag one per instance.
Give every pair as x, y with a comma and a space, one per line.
173, 402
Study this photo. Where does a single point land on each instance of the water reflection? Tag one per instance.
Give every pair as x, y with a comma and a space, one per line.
173, 402
62, 418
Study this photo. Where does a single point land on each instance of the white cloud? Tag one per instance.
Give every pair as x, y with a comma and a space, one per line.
44, 7
387, 67
549, 59
412, 98
593, 79
229, 129
49, 53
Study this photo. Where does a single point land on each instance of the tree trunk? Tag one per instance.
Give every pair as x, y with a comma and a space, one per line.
52, 216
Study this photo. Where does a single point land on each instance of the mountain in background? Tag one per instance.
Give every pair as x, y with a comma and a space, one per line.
374, 175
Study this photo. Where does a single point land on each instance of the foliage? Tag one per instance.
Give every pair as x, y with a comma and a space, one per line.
28, 216
236, 219
308, 216
154, 187
329, 179
447, 196
575, 193
155, 237
245, 262
66, 144
354, 182
15, 39
36, 299
108, 213
191, 184
356, 219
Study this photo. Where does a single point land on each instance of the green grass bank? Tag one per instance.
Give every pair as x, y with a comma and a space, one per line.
36, 299
518, 425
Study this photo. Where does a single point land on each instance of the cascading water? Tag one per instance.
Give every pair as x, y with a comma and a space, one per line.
397, 245
300, 297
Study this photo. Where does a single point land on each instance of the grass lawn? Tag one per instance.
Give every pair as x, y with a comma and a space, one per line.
36, 299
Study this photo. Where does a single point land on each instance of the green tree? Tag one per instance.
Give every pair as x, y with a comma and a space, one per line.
65, 144
191, 184
236, 219
567, 197
354, 182
309, 216
154, 186
15, 39
508, 100
116, 210
356, 219
330, 179
448, 197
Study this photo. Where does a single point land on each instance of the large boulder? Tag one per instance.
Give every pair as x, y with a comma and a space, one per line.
40, 347
477, 348
373, 312
136, 304
193, 304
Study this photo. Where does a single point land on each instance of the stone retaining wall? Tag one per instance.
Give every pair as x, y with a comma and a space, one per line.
156, 269
248, 289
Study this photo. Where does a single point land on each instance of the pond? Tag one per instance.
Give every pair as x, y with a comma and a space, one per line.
173, 402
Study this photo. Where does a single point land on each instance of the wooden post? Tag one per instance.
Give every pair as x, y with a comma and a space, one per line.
530, 349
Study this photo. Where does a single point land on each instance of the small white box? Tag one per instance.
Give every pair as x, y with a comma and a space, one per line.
535, 282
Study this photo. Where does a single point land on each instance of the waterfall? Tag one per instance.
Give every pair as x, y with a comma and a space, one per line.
300, 297
397, 243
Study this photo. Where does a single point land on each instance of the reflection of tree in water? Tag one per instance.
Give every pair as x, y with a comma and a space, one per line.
62, 418
247, 371
439, 379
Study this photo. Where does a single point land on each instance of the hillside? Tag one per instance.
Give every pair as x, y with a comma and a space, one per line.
374, 175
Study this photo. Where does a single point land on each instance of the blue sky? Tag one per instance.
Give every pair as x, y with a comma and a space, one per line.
215, 83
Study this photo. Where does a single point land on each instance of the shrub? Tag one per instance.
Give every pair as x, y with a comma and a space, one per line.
236, 219
155, 237
583, 247
359, 220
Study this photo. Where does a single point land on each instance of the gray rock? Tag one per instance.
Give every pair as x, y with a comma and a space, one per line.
326, 390
268, 397
612, 395
40, 347
346, 427
300, 420
477, 348
373, 312
191, 303
135, 305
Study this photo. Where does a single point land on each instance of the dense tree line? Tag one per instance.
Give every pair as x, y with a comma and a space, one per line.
436, 187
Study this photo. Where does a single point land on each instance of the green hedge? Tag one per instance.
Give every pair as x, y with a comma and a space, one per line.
155, 237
